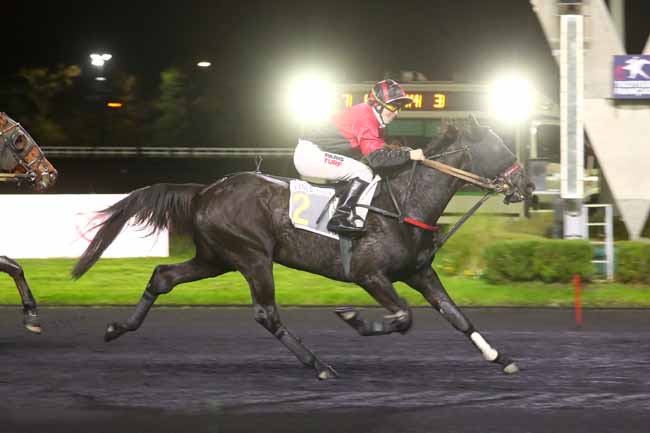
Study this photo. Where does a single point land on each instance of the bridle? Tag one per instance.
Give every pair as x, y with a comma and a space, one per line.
9, 137
500, 184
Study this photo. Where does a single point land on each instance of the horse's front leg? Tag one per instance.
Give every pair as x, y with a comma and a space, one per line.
30, 315
380, 288
429, 285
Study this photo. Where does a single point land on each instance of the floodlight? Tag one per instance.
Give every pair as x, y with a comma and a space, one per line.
99, 59
311, 98
511, 99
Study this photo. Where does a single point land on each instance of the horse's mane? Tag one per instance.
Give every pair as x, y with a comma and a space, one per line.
440, 143
436, 146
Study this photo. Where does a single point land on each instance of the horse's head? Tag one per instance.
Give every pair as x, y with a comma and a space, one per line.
19, 154
489, 158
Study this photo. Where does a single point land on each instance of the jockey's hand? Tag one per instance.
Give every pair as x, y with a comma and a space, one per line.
416, 155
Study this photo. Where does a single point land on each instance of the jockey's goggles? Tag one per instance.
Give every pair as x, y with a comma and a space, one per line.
396, 105
393, 107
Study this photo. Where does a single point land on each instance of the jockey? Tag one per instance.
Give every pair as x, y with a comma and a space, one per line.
332, 151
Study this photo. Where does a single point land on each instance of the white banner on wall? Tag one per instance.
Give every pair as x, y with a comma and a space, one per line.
49, 225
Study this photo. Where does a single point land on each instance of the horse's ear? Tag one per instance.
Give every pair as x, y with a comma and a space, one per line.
473, 122
450, 131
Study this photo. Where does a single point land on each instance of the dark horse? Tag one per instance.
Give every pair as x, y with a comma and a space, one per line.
241, 223
22, 161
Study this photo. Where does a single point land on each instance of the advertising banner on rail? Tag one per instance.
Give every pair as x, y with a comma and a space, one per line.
51, 225
632, 77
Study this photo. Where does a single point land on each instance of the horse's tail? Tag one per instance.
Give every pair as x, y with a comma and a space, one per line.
157, 206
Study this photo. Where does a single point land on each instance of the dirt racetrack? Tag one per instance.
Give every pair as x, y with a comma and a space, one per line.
215, 370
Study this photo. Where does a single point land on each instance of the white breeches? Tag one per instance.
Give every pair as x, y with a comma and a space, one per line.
311, 161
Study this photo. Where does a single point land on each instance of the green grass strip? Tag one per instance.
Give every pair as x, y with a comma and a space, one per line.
122, 281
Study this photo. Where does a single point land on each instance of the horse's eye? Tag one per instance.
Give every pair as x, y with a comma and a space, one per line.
20, 142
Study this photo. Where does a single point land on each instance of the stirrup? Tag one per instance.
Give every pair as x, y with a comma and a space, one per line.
344, 224
347, 230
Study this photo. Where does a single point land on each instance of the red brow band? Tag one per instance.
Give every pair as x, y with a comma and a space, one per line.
515, 168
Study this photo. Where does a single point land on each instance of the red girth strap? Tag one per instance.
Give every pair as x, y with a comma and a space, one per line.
420, 224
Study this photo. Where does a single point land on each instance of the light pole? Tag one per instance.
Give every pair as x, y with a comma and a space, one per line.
98, 61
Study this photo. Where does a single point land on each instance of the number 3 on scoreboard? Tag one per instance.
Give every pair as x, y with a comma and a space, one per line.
302, 202
439, 100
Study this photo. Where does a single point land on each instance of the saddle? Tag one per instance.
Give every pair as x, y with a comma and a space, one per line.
311, 205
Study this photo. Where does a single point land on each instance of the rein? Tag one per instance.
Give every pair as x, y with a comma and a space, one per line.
17, 177
501, 184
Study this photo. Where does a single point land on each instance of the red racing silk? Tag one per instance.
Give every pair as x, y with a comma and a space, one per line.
360, 127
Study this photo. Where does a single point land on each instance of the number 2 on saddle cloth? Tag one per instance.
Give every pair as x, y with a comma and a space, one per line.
311, 206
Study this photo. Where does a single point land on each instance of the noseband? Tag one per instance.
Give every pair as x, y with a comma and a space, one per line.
9, 137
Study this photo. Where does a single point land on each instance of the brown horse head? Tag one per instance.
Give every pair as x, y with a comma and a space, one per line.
20, 155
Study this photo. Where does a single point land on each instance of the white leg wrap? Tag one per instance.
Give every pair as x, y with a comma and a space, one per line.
488, 352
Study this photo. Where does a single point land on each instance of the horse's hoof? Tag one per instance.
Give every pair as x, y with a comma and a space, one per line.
327, 373
31, 322
511, 368
346, 313
400, 321
113, 330
36, 329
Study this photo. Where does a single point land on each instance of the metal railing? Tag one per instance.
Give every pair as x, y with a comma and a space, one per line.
608, 242
164, 152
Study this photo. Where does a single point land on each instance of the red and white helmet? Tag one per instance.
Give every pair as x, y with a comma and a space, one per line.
389, 94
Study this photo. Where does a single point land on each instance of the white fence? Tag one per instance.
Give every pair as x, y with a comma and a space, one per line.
49, 225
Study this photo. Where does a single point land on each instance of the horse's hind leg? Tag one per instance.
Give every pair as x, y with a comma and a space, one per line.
162, 281
30, 315
259, 274
428, 283
380, 288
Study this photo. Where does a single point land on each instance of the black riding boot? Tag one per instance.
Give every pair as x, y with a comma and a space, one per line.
343, 220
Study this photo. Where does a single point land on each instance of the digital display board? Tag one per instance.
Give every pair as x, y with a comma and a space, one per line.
431, 100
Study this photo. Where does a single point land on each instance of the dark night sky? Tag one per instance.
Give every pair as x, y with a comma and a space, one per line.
260, 41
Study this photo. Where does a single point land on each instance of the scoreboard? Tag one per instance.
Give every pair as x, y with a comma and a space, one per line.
433, 102
430, 99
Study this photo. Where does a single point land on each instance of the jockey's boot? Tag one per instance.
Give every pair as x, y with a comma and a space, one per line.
343, 220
